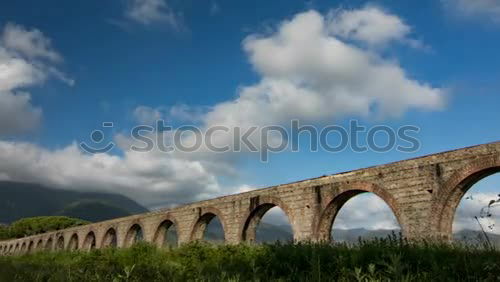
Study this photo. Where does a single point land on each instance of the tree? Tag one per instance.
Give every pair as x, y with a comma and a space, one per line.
37, 225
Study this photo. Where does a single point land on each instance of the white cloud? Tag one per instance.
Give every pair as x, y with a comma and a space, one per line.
179, 113
480, 9
309, 73
148, 12
147, 115
31, 43
26, 58
17, 114
366, 211
470, 206
369, 24
152, 179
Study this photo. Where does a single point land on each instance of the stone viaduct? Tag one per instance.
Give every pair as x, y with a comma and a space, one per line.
423, 194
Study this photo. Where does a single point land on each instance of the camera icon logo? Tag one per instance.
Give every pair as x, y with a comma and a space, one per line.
97, 137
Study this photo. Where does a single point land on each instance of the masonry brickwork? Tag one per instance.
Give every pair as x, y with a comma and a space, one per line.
423, 194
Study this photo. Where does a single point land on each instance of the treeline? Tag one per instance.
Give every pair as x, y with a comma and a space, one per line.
37, 225
379, 260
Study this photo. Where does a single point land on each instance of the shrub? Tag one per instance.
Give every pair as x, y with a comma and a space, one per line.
37, 225
378, 260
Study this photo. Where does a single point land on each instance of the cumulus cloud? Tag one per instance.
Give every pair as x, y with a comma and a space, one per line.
153, 179
17, 114
366, 211
31, 43
148, 12
26, 59
480, 9
370, 24
308, 71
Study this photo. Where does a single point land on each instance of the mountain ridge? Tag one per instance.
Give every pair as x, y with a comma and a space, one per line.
21, 199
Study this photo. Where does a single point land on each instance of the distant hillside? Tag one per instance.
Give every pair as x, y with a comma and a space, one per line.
20, 200
268, 233
353, 235
476, 237
265, 233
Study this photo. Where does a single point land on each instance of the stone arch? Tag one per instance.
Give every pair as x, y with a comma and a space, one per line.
134, 234
39, 245
73, 242
49, 244
90, 241
446, 201
60, 243
110, 238
31, 246
161, 231
258, 208
345, 192
206, 215
23, 247
16, 248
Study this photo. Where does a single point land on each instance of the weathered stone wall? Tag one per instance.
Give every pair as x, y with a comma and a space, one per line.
423, 193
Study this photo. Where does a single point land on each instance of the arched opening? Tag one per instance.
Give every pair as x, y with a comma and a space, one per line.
60, 243
134, 235
448, 198
110, 239
16, 248
359, 211
166, 234
31, 246
73, 243
267, 223
23, 247
476, 219
90, 242
209, 227
365, 216
49, 244
39, 245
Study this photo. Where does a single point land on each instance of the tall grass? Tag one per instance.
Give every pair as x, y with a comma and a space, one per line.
376, 260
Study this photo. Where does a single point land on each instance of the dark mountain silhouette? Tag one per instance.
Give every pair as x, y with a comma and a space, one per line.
19, 200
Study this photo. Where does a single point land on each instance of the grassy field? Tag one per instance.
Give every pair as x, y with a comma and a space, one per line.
379, 260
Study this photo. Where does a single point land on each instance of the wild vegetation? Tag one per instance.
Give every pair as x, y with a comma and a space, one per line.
37, 225
375, 260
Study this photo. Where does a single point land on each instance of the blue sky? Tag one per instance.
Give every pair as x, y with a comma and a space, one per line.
114, 57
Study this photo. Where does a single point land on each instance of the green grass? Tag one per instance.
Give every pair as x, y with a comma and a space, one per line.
379, 260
